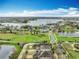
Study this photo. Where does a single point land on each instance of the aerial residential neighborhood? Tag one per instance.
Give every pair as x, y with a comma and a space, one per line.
42, 38
39, 29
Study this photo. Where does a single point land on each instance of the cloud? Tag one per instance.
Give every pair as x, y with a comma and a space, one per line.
54, 12
72, 12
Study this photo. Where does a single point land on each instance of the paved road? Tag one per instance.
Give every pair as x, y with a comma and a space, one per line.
52, 37
60, 51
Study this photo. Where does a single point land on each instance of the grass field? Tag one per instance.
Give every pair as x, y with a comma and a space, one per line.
24, 37
61, 38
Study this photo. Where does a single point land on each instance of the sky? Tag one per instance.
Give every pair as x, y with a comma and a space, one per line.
39, 7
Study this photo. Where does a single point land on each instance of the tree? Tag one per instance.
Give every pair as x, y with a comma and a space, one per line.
36, 30
25, 21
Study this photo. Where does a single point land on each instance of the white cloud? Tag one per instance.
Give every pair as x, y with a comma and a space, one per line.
55, 12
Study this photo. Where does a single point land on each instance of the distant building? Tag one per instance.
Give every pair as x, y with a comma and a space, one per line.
13, 25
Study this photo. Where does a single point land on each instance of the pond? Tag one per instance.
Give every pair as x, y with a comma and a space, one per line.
6, 51
65, 34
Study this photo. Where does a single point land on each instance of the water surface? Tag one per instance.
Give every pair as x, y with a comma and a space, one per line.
6, 51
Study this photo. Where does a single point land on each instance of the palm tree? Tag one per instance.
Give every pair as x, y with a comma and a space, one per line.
36, 30
3, 30
30, 28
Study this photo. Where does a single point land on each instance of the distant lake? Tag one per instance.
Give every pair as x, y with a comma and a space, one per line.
5, 51
43, 22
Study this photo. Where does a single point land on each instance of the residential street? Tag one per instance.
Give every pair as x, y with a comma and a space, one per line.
59, 50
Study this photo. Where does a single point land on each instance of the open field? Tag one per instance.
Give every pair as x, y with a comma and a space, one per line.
61, 38
24, 37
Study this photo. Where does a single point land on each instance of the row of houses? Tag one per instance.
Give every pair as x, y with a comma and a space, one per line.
13, 25
36, 51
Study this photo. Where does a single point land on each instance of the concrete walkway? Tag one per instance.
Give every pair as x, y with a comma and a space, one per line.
24, 50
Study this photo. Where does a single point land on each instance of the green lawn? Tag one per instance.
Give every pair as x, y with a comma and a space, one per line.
61, 38
24, 37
